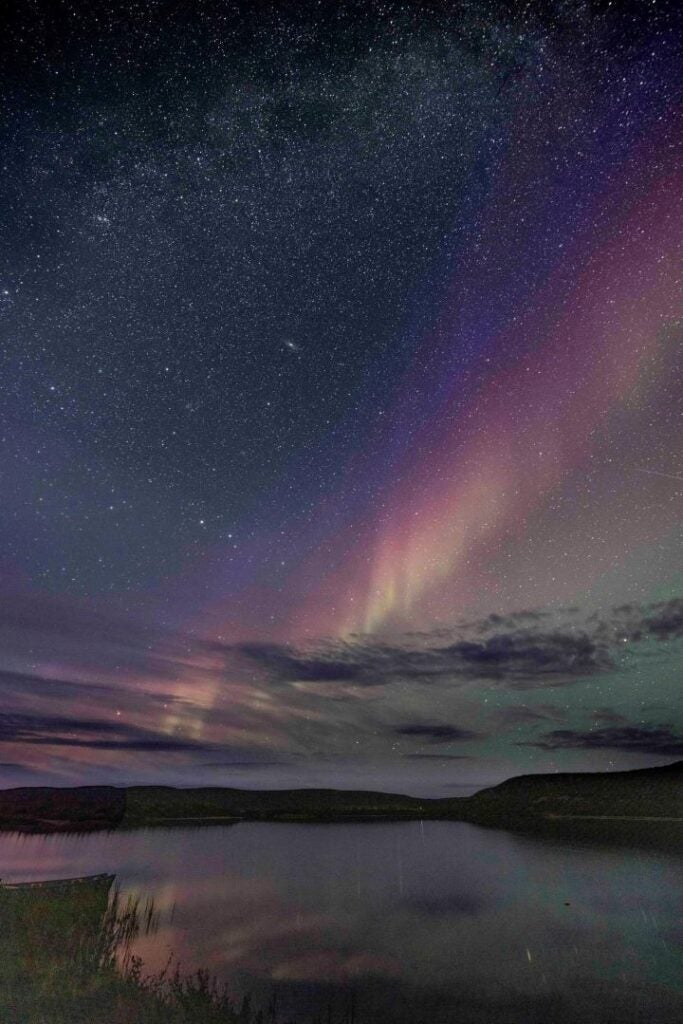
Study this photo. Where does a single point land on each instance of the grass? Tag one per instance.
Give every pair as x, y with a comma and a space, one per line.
65, 958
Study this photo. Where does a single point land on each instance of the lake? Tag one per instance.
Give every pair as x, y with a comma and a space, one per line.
403, 922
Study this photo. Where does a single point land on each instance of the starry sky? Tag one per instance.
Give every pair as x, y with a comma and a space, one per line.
340, 391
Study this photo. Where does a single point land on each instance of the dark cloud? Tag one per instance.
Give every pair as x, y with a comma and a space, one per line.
609, 717
57, 687
288, 665
32, 692
19, 683
438, 757
530, 655
512, 620
520, 714
93, 734
628, 739
435, 733
662, 620
517, 651
242, 764
665, 620
522, 660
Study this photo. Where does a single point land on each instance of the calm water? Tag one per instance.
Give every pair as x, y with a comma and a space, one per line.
397, 922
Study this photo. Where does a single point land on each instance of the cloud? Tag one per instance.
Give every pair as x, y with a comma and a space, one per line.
438, 757
513, 619
662, 620
243, 764
609, 717
33, 685
64, 673
94, 734
521, 651
365, 663
665, 620
288, 665
435, 733
523, 659
520, 714
526, 656
15, 767
628, 739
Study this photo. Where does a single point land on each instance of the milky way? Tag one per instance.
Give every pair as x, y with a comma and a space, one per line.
333, 338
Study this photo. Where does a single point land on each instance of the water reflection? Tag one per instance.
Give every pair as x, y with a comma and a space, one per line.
430, 922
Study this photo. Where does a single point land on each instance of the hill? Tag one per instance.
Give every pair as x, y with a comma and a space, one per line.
640, 793
654, 794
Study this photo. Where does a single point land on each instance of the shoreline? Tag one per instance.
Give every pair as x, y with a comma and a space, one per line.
646, 796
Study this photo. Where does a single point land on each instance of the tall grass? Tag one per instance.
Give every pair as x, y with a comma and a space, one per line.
66, 958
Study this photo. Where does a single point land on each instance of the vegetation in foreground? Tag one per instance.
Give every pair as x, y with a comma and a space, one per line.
65, 959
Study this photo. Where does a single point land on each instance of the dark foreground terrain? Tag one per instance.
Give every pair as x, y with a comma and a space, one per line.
429, 922
648, 795
65, 959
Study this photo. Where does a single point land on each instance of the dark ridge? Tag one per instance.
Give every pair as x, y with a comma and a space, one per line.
654, 794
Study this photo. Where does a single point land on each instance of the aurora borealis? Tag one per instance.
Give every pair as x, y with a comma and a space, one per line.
341, 372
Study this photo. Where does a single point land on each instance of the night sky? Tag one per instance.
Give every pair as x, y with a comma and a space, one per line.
341, 391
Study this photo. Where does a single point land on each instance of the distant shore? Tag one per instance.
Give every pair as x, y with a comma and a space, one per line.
649, 795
